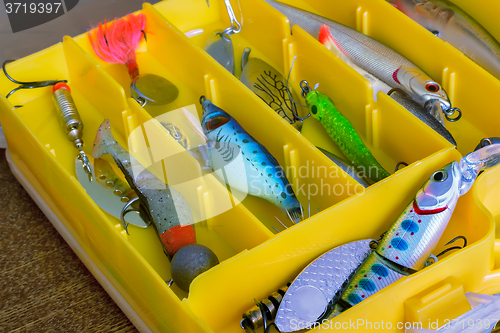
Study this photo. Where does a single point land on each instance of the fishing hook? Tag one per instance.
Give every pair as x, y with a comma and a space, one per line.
454, 247
400, 164
294, 104
124, 211
27, 85
235, 25
448, 113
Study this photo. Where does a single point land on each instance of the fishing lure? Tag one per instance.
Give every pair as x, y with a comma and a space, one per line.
341, 131
450, 23
116, 43
166, 208
261, 175
424, 115
403, 250
372, 56
429, 115
270, 85
219, 44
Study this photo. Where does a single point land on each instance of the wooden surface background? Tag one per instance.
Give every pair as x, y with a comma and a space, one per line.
44, 287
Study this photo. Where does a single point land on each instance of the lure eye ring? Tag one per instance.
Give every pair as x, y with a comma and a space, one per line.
448, 113
305, 88
432, 87
439, 176
202, 99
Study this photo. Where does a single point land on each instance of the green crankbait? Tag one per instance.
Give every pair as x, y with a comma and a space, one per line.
340, 129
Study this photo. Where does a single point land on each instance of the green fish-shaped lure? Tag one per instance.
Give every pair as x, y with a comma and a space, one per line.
340, 129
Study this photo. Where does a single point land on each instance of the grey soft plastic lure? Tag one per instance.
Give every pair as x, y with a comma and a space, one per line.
270, 85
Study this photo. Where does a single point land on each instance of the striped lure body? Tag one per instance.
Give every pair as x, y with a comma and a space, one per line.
259, 174
340, 129
368, 54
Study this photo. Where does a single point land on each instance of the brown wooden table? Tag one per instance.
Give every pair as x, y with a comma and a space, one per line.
44, 287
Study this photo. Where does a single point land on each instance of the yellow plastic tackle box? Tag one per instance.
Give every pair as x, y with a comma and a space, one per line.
255, 260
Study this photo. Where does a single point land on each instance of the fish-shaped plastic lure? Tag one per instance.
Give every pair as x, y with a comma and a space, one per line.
341, 131
167, 208
261, 175
403, 250
371, 55
452, 24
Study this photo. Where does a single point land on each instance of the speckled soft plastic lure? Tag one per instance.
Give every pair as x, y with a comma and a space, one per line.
167, 208
403, 250
340, 129
261, 175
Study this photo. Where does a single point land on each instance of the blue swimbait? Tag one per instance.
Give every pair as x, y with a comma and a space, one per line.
261, 176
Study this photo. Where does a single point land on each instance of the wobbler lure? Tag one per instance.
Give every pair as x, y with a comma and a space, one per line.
116, 43
403, 250
261, 175
341, 131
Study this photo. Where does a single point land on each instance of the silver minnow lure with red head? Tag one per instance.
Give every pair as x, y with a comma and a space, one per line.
404, 249
370, 55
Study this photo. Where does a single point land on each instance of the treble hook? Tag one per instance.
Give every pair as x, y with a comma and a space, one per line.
124, 211
454, 247
27, 85
399, 165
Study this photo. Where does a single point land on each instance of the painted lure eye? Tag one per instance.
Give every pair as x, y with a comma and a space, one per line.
432, 87
439, 176
314, 109
216, 122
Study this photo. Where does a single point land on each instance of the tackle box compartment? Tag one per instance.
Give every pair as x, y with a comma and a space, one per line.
255, 260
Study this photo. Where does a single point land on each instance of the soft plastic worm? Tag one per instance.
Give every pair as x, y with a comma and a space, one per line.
340, 129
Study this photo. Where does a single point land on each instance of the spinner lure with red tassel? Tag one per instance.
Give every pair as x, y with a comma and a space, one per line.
117, 43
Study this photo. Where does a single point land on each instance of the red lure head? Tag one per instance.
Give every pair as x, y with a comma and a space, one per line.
117, 42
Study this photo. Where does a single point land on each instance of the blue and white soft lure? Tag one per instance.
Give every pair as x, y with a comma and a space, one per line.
261, 175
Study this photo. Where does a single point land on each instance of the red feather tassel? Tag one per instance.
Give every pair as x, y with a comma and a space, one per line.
117, 42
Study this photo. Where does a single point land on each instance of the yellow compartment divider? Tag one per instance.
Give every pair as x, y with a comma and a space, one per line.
255, 260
